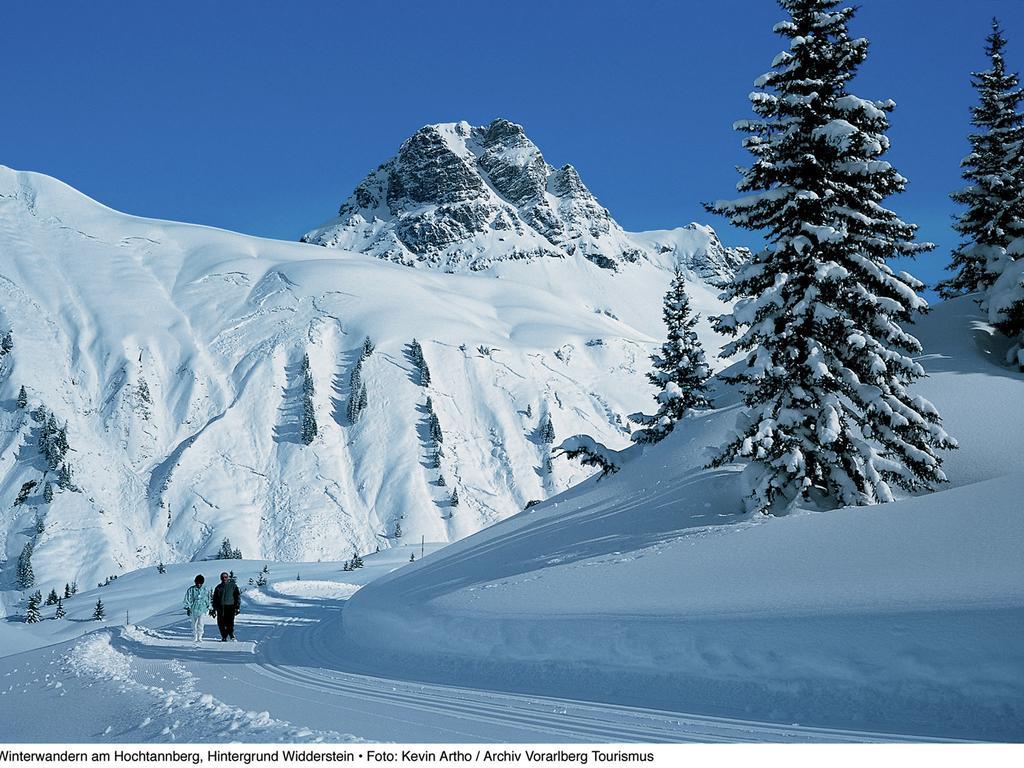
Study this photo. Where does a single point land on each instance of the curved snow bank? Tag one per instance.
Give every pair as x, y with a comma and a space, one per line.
185, 713
904, 617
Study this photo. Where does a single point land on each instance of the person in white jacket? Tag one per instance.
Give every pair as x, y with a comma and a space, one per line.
197, 604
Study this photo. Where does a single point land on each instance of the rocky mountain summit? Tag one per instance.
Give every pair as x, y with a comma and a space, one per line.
460, 197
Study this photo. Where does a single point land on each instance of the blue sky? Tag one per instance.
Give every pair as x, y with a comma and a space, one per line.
262, 116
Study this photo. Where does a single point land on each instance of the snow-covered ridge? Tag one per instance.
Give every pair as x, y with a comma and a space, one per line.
460, 197
170, 354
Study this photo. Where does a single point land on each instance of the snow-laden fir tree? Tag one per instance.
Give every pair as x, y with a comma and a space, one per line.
434, 428
52, 598
1007, 305
160, 567
416, 355
60, 613
829, 418
48, 492
22, 398
26, 576
357, 402
7, 343
67, 591
64, 477
453, 500
680, 370
99, 613
547, 431
32, 612
398, 530
994, 195
368, 347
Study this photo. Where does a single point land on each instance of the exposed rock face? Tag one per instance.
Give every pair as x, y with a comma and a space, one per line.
461, 197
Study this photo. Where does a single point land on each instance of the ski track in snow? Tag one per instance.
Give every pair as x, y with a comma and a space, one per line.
288, 681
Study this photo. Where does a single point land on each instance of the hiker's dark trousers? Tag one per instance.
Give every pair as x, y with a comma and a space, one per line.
226, 621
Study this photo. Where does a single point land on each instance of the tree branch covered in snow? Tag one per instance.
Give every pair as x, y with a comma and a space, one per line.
589, 452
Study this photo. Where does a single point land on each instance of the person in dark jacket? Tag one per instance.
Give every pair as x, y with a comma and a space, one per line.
226, 605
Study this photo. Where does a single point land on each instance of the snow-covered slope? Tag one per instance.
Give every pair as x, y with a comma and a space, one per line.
173, 352
651, 584
463, 198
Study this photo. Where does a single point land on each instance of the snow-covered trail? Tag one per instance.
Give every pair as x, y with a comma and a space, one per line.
287, 681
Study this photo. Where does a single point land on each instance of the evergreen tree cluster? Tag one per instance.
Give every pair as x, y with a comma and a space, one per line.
357, 394
417, 358
309, 430
7, 344
227, 552
354, 563
435, 436
818, 312
52, 598
53, 442
680, 371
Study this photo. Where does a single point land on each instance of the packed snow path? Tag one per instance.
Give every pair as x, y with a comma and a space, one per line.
286, 681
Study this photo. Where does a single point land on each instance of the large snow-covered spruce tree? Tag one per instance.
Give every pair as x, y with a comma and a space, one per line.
680, 370
994, 195
829, 418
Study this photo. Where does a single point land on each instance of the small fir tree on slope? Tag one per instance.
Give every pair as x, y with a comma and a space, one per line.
32, 615
26, 576
99, 613
818, 311
994, 195
680, 372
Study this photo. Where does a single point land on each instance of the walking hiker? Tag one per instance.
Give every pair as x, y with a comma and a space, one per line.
226, 605
196, 604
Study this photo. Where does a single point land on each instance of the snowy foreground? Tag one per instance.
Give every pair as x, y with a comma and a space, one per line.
640, 606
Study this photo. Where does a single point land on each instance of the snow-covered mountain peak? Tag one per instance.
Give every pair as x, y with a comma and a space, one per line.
181, 362
460, 197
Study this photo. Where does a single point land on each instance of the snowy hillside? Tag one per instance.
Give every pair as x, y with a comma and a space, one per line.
463, 198
641, 607
651, 585
162, 366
